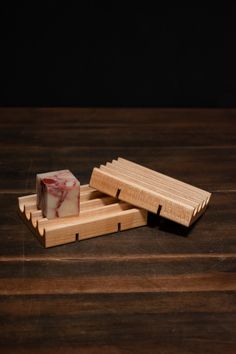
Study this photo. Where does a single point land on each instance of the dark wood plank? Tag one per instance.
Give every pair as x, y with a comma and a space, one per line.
212, 169
119, 323
125, 277
117, 127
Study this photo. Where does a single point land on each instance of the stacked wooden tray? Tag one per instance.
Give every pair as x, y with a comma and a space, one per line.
151, 190
100, 214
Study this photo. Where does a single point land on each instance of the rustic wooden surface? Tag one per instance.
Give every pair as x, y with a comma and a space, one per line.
160, 289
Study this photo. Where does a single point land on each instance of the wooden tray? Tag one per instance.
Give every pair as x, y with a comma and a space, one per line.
100, 214
153, 191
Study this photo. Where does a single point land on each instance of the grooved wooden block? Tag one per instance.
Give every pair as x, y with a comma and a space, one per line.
153, 191
100, 214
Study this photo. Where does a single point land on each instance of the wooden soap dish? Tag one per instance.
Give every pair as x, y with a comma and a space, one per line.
99, 215
151, 190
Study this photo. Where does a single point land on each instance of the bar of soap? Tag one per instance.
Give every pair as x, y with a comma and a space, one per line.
58, 194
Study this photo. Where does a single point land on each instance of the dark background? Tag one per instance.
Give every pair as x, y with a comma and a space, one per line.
97, 55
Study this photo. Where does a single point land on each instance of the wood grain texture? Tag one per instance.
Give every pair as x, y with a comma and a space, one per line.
159, 289
151, 190
98, 216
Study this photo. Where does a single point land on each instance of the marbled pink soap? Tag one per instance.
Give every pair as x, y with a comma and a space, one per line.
58, 194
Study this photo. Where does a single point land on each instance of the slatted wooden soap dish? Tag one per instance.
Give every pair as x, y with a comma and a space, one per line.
153, 191
118, 197
100, 214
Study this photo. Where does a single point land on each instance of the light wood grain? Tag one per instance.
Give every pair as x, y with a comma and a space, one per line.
153, 191
98, 216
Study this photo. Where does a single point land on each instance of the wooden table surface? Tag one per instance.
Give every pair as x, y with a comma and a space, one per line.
157, 289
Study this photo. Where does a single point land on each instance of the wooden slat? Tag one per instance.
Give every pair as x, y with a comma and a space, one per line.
153, 191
